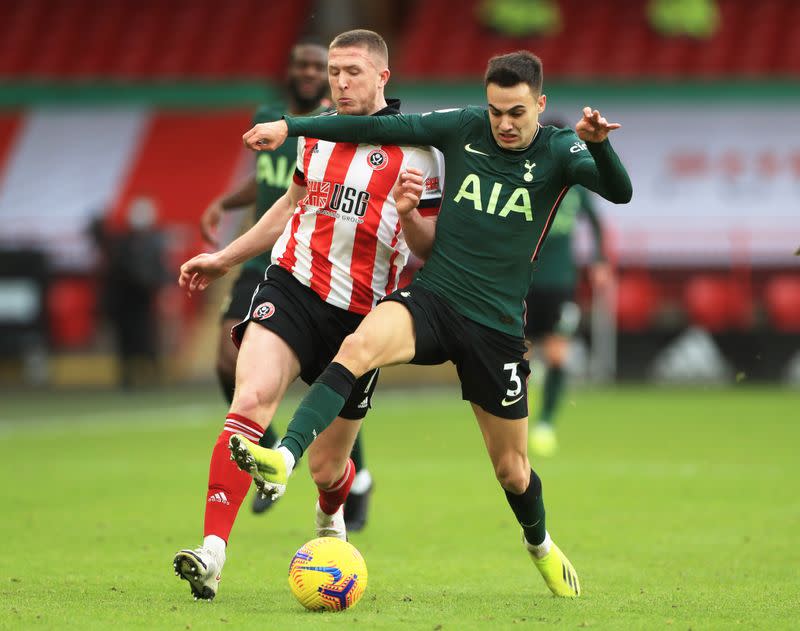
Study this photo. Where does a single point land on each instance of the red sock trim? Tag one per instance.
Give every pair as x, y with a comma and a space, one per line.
227, 486
343, 480
238, 424
332, 498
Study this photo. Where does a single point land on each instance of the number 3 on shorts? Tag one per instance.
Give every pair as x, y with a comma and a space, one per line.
516, 382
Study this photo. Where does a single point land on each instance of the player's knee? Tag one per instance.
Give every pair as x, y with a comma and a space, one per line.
513, 473
250, 400
325, 471
557, 359
356, 354
556, 352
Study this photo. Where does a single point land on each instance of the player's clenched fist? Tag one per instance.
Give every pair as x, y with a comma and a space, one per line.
199, 272
593, 127
266, 136
408, 190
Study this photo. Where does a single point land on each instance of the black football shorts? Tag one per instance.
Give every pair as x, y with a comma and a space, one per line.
311, 327
491, 364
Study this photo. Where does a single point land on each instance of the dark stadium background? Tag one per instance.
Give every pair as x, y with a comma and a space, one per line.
102, 102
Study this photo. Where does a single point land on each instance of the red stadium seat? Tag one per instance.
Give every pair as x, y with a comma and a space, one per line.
71, 312
637, 299
717, 304
782, 298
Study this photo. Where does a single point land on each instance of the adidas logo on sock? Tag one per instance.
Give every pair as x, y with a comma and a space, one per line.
219, 497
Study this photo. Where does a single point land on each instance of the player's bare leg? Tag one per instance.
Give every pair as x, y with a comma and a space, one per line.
227, 354
265, 368
257, 395
506, 442
384, 337
333, 472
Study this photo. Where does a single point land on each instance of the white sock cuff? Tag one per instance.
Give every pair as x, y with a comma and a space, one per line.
540, 550
361, 482
288, 457
215, 544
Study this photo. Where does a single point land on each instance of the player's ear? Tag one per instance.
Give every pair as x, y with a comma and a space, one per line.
384, 77
541, 103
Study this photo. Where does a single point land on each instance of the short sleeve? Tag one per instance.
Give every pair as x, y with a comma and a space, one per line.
299, 177
430, 161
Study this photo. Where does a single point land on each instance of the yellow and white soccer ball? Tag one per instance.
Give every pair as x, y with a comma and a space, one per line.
327, 574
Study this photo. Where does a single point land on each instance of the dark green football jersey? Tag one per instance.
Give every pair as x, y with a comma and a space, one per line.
498, 204
555, 268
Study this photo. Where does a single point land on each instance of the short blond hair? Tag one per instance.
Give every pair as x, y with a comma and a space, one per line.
362, 38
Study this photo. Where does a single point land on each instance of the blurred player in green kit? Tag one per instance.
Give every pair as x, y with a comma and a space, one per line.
552, 314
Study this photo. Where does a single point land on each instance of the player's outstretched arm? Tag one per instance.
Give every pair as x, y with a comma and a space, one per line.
419, 231
199, 272
242, 196
409, 129
605, 174
266, 136
593, 127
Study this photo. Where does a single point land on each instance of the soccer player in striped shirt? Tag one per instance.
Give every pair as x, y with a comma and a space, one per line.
306, 90
506, 177
340, 237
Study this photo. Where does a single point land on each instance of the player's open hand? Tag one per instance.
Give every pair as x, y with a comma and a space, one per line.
199, 272
209, 222
266, 136
408, 190
593, 127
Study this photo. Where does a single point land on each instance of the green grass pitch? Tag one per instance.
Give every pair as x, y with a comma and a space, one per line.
679, 508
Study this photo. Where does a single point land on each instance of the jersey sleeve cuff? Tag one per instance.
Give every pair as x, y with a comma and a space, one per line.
293, 125
429, 207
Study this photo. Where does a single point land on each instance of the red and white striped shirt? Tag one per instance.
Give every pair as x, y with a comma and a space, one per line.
344, 239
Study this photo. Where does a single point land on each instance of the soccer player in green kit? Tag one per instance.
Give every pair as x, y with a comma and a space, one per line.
552, 315
506, 177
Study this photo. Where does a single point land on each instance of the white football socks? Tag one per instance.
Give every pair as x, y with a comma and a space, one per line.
542, 549
361, 482
216, 545
288, 457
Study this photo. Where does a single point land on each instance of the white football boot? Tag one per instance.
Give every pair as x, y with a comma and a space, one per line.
202, 568
331, 525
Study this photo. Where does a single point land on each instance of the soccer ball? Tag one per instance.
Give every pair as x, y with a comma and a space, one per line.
327, 574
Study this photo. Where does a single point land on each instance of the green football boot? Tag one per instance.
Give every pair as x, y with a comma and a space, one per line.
266, 466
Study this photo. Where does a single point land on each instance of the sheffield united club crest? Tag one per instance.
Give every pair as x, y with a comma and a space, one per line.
377, 159
263, 311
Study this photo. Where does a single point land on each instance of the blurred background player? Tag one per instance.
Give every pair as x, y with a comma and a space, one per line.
552, 314
132, 273
306, 93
